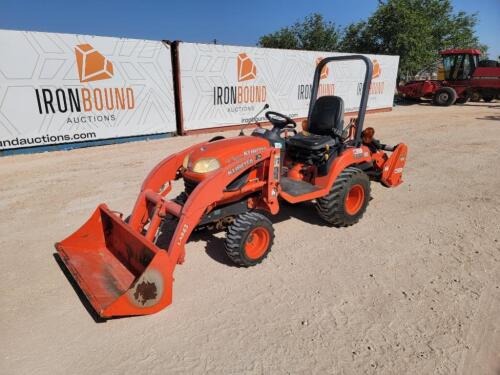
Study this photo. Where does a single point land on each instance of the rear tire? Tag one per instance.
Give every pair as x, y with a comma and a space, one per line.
348, 199
249, 239
488, 99
445, 96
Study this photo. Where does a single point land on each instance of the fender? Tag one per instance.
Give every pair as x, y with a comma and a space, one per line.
349, 157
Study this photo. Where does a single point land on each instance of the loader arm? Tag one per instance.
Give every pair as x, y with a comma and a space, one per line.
166, 170
210, 191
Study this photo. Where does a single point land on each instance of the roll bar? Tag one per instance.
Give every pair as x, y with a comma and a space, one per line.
364, 94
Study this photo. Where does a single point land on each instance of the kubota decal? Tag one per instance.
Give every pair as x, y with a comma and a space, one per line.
239, 167
253, 151
183, 233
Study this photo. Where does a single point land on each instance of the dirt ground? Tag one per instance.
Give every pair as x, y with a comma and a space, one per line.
414, 288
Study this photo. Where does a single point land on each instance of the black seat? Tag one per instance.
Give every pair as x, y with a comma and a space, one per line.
327, 116
326, 121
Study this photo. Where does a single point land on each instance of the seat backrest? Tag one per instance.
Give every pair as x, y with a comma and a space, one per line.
327, 114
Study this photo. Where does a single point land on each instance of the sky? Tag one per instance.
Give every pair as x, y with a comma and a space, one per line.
229, 22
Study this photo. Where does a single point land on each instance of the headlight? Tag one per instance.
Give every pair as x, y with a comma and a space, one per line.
206, 165
186, 161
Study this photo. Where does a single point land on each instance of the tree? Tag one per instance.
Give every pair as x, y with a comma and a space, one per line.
354, 38
312, 34
416, 30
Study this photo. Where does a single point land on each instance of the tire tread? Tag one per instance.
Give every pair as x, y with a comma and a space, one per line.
331, 207
236, 233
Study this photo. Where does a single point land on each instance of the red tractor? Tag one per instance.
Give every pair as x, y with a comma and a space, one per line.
125, 266
460, 78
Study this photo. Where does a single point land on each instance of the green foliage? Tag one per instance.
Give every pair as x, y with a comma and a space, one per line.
416, 30
313, 33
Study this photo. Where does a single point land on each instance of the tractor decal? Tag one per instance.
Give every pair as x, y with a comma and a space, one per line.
239, 167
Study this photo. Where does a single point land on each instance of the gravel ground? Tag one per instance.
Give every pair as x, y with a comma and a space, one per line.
414, 288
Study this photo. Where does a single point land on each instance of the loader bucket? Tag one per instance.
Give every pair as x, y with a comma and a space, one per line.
119, 271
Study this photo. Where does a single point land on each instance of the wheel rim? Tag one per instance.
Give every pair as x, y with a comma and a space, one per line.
444, 97
257, 243
354, 199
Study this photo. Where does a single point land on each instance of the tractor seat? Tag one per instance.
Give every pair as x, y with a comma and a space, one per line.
309, 141
327, 116
326, 121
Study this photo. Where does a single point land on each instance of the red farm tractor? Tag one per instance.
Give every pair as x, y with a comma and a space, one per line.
125, 266
461, 77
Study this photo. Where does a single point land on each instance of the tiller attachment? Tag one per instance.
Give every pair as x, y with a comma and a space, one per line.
121, 272
393, 168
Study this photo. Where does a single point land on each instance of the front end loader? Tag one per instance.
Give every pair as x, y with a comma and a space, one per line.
125, 266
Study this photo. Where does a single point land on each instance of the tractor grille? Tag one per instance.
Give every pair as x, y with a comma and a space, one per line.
189, 186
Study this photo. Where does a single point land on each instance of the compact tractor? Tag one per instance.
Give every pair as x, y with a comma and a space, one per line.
461, 77
124, 269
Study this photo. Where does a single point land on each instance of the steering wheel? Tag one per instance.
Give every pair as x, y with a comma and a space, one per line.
280, 121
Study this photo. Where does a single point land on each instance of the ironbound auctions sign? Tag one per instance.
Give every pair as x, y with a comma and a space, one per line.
227, 85
61, 88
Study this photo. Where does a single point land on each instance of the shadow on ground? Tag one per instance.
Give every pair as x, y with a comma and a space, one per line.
79, 292
214, 245
408, 102
491, 118
486, 105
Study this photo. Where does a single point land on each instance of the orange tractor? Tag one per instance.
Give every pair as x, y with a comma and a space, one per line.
125, 268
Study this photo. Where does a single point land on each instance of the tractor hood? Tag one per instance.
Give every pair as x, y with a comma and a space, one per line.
225, 151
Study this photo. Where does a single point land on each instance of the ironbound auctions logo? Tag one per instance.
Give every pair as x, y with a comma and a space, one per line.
376, 87
304, 91
91, 66
241, 94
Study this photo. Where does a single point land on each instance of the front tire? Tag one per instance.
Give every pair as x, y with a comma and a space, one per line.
445, 96
249, 239
348, 199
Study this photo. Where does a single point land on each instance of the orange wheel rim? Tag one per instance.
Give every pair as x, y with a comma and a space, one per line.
354, 199
257, 243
